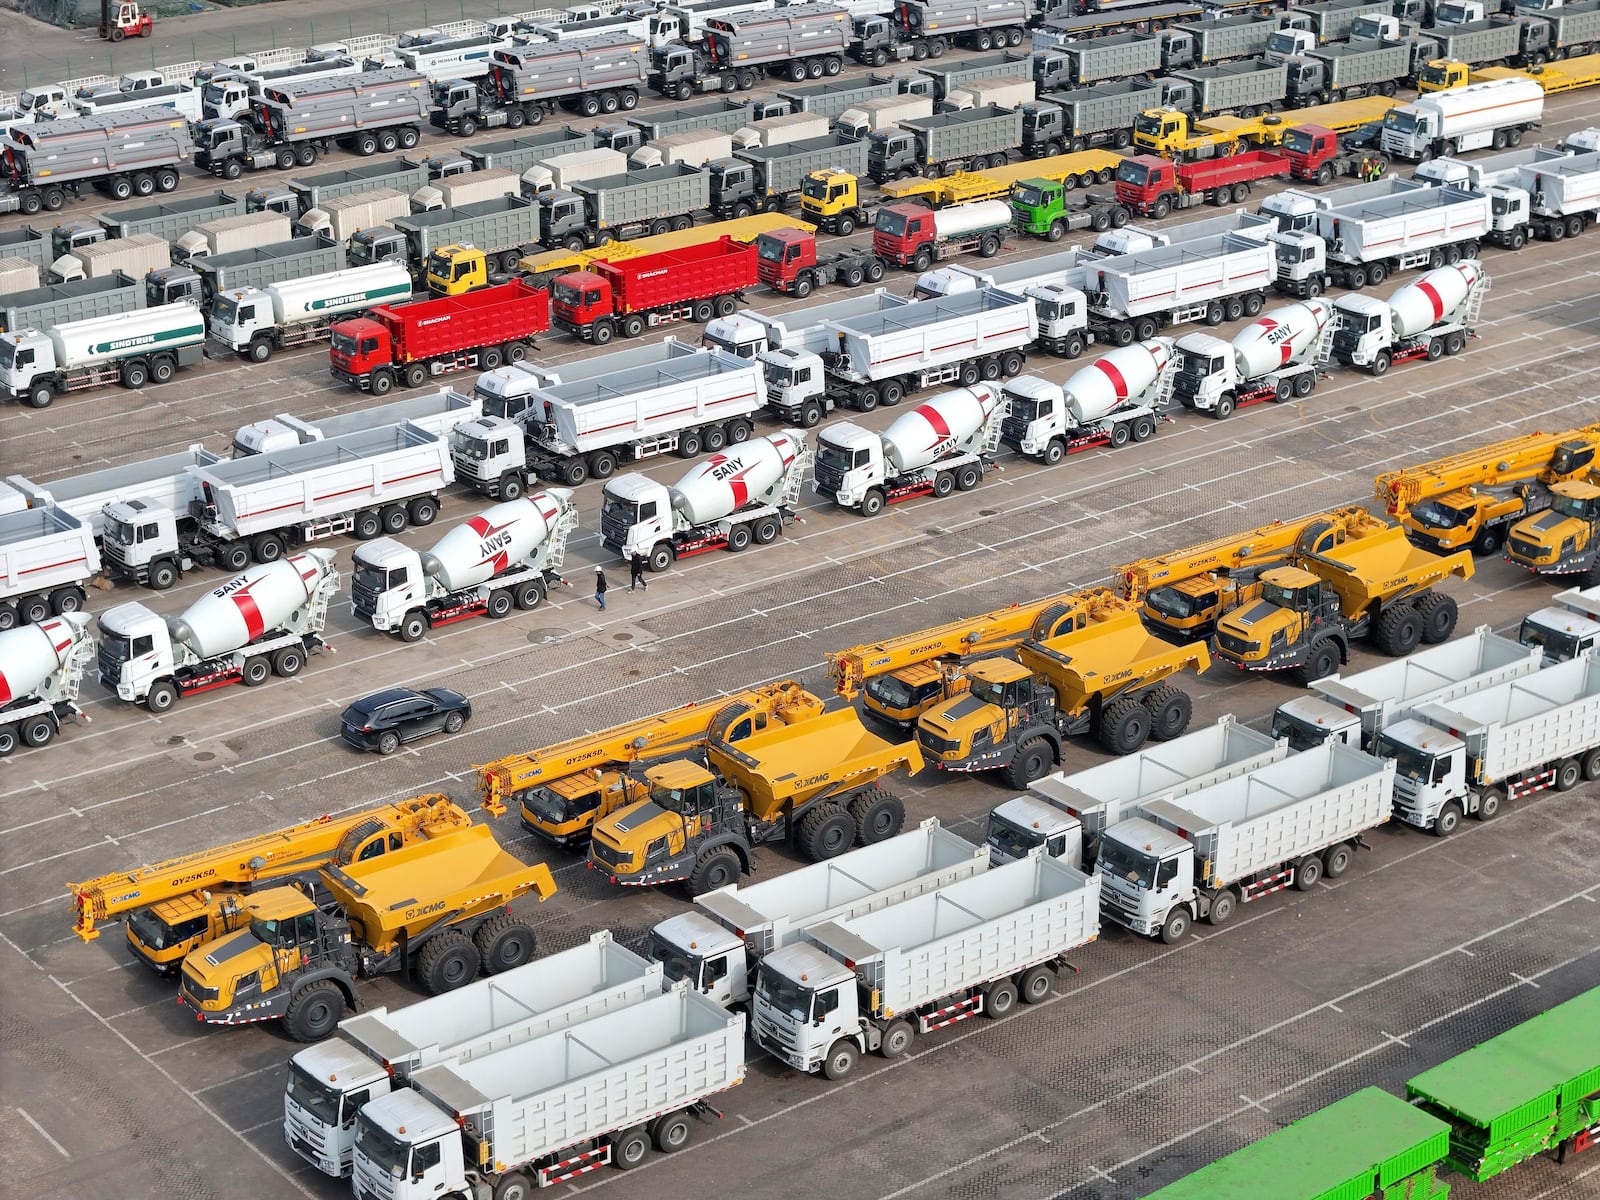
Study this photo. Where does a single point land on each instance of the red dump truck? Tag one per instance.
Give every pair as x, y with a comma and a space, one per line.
631, 295
1315, 153
409, 344
1153, 186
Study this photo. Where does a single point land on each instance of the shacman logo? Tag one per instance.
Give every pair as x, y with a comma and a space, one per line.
433, 321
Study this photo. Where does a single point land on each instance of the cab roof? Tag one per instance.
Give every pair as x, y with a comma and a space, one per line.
678, 773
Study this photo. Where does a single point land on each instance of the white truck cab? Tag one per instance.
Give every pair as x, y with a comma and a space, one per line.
1026, 822
1430, 771
1038, 414
1307, 722
1146, 871
139, 534
329, 1083
636, 514
737, 334
714, 960
1567, 629
853, 455
135, 649
812, 1001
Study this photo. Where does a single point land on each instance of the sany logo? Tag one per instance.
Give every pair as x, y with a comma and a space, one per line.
494, 541
1277, 335
238, 590
732, 472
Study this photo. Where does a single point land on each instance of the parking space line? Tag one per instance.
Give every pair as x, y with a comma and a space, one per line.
42, 1132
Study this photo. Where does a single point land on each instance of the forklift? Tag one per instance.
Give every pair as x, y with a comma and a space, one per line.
124, 19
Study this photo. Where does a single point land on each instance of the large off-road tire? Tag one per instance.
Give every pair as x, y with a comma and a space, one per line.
504, 943
1170, 710
1439, 613
878, 815
715, 870
1030, 763
826, 832
314, 1011
1399, 630
1124, 726
448, 962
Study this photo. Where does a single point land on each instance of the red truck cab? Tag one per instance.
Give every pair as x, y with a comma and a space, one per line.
1144, 179
900, 230
359, 346
782, 254
579, 298
1309, 149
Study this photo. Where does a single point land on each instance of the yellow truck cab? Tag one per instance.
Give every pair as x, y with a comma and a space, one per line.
1565, 538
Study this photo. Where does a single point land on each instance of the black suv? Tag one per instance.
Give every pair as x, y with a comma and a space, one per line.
384, 719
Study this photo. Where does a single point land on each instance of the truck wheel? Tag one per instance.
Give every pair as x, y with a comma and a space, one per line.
40, 395
8, 616
738, 431
259, 350
1307, 873
35, 609
630, 1149
1399, 631
366, 525
943, 484
37, 731
1304, 384
1176, 927
513, 1185
256, 671
1488, 805
1036, 985
448, 962
767, 530
529, 595
878, 815
968, 477
1170, 710
382, 382
1448, 820
726, 305
288, 662
1380, 363
826, 832
284, 159
1124, 726
802, 286
672, 1132
811, 415
897, 1040
266, 548
1224, 408
632, 326
366, 145
510, 487
423, 510
602, 332
305, 155
853, 277
1120, 435
135, 374
161, 697
922, 260
416, 374
1568, 775
1439, 614
1000, 999
163, 575
144, 184
1320, 663
1029, 764
232, 169
689, 444
1161, 208
715, 437
413, 627
1055, 450
704, 310
1144, 428
1591, 765
875, 270
8, 740
1336, 860
498, 605
532, 114
388, 142
314, 1011
489, 357
504, 943
31, 204
842, 1058
234, 556
660, 558
872, 503
715, 870
120, 188
68, 599
394, 519
738, 538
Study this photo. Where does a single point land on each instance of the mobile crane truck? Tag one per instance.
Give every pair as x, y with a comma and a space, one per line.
438, 909
813, 784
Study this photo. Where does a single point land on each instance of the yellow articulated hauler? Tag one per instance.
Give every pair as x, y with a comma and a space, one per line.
171, 907
813, 784
438, 909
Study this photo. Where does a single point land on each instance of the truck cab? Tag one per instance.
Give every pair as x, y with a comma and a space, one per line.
386, 582
49, 100
563, 811
1024, 823
579, 300
1565, 537
489, 454
1044, 128
141, 542
832, 199
1307, 722
1146, 872
1364, 328
1037, 416
1288, 43
169, 285
849, 463
796, 382
1442, 75
714, 960
453, 270
359, 347
806, 1001
781, 256
1430, 771
415, 1149
1272, 632
635, 515
1563, 632
977, 731
135, 650
68, 236
329, 1083
1300, 261
686, 811
1171, 133
890, 154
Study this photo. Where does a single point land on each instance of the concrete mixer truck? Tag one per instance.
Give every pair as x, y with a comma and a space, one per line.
945, 444
509, 554
148, 345
1428, 318
253, 322
744, 494
41, 667
1275, 358
1110, 402
263, 621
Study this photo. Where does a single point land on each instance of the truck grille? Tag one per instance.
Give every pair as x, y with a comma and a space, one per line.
610, 855
1345, 341
363, 600
935, 744
769, 1034
1186, 384
109, 665
1521, 549
197, 993
1013, 429
613, 528
1234, 645
1113, 899
828, 478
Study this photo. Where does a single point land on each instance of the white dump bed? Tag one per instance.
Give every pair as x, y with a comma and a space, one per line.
1525, 723
771, 914
1407, 221
504, 1010
926, 334
645, 393
1391, 691
164, 481
803, 329
246, 496
1568, 184
1279, 812
983, 928
1063, 269
1165, 278
1172, 769
437, 413
607, 1074
43, 548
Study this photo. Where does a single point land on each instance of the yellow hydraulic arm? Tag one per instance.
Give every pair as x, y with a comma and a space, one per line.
676, 731
241, 865
1532, 457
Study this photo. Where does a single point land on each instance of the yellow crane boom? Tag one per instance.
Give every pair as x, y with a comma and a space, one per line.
1543, 457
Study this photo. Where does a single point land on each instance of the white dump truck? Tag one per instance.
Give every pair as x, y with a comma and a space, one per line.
1287, 824
1218, 278
377, 481
147, 345
874, 982
377, 1052
437, 413
1112, 401
1428, 318
164, 481
1494, 113
47, 555
543, 1112
508, 555
342, 217
1470, 755
1566, 629
626, 406
1564, 190
1355, 709
1277, 358
226, 235
943, 445
1066, 813
718, 945
750, 333
254, 322
1054, 282
902, 347
41, 666
742, 495
260, 623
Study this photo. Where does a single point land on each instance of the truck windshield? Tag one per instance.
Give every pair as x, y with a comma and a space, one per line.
151, 932
214, 94
1126, 862
1028, 409
1147, 124
1436, 74
1170, 602
676, 963
469, 447
814, 188
1279, 596
224, 312
891, 223
1135, 173
114, 650
1301, 735
1026, 196
1401, 121
1290, 252
387, 1153
555, 809
1434, 514
344, 344
1571, 506
615, 511
311, 1094
1409, 763
783, 994
893, 694
118, 533
987, 691
8, 352
674, 800
1011, 839
1281, 43
1557, 644
367, 578
1202, 364
837, 458
1306, 72
565, 293
770, 249
1297, 141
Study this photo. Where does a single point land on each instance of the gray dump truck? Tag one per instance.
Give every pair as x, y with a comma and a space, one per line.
132, 153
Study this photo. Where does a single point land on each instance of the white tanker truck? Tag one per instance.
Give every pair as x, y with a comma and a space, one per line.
148, 345
742, 495
254, 322
40, 669
263, 621
1276, 358
943, 445
1110, 402
1428, 318
509, 554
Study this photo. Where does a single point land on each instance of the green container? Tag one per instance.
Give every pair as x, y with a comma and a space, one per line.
1365, 1145
1519, 1094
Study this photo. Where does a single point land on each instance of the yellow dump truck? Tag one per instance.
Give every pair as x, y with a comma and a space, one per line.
171, 907
1381, 587
813, 785
1565, 538
563, 789
1108, 677
438, 909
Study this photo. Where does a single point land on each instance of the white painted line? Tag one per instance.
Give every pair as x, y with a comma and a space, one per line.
60, 1149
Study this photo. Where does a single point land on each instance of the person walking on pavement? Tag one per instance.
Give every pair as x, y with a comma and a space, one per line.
636, 573
600, 587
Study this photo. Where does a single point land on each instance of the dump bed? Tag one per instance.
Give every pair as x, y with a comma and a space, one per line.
1568, 184
673, 276
438, 413
519, 153
79, 300
646, 195
941, 943
503, 223
488, 316
42, 548
1236, 85
164, 481
986, 130
808, 328
1383, 566
86, 148
794, 762
322, 479
1524, 723
784, 168
1120, 56
1392, 691
1106, 657
1166, 278
1408, 221
548, 994
170, 218
1106, 106
1279, 812
932, 333
604, 1075
401, 174
26, 243
725, 117
771, 914
267, 265
833, 97
1172, 769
